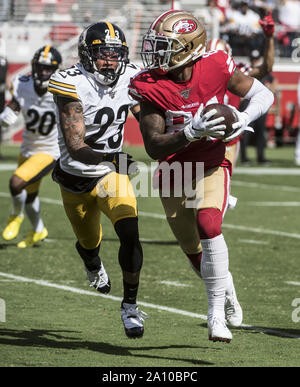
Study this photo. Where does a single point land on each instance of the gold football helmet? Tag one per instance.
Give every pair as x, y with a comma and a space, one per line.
219, 44
174, 39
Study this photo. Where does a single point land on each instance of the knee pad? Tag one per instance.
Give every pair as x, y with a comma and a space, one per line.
209, 222
130, 252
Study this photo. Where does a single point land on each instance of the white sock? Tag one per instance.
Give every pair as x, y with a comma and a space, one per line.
214, 272
33, 213
230, 286
18, 203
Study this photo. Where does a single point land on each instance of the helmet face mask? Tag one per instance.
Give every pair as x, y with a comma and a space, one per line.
174, 39
106, 42
157, 51
45, 62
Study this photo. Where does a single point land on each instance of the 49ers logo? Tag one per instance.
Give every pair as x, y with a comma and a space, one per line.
184, 26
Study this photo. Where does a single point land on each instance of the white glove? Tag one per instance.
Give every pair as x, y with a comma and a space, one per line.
203, 126
240, 126
8, 117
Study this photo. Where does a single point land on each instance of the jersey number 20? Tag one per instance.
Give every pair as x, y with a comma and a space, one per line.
46, 122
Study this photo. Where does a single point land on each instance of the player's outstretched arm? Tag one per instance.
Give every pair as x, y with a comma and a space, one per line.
267, 24
73, 129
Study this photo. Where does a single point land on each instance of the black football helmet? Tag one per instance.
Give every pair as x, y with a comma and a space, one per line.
101, 41
45, 62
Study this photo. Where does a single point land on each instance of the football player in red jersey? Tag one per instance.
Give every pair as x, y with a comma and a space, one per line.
179, 80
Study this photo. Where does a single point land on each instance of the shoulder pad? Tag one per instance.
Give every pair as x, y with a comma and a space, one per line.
61, 84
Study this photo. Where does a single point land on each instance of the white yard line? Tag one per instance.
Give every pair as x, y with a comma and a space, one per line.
261, 231
175, 283
237, 171
273, 204
141, 303
272, 187
293, 283
8, 167
267, 171
254, 242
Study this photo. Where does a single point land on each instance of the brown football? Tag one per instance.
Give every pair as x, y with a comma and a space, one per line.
226, 112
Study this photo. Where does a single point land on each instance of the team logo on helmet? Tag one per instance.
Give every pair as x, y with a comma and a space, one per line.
184, 26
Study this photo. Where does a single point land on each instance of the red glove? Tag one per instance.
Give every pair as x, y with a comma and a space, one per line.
267, 24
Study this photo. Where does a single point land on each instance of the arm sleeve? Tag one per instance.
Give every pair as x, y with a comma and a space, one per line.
260, 100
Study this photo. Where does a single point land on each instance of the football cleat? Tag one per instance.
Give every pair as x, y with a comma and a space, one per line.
133, 319
233, 311
217, 330
13, 227
33, 238
99, 279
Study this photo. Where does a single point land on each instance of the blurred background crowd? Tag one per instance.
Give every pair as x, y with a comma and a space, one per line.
233, 20
26, 25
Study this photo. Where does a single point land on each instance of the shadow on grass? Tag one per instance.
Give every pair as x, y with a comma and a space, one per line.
58, 340
4, 246
145, 241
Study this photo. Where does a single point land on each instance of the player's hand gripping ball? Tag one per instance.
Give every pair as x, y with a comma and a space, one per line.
223, 111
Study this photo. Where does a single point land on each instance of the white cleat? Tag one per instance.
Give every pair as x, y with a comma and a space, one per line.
233, 311
99, 279
218, 331
133, 319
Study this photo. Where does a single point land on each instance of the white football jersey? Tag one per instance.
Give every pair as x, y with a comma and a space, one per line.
105, 110
40, 131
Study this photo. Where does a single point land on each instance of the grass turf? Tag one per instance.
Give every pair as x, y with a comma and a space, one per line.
49, 326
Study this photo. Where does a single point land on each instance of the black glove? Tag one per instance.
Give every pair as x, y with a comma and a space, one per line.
123, 162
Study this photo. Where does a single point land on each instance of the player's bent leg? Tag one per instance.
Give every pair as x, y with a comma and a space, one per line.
26, 180
120, 206
182, 222
214, 246
83, 213
214, 264
18, 197
39, 231
95, 270
130, 260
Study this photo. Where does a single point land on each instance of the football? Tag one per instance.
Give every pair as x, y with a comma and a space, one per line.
226, 112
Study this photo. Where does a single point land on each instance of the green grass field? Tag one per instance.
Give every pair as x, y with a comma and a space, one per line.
54, 319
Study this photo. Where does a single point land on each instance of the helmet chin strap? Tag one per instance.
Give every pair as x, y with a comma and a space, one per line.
41, 84
106, 76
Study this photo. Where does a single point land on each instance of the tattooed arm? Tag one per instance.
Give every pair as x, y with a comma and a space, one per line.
158, 143
73, 129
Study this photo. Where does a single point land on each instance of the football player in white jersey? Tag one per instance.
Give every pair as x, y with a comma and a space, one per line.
39, 149
92, 106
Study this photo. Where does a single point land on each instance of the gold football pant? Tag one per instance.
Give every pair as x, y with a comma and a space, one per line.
232, 152
183, 221
84, 210
32, 169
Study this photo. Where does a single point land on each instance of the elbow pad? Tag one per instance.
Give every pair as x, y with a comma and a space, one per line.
261, 99
8, 117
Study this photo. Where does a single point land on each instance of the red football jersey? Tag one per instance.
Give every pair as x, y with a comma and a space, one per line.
180, 101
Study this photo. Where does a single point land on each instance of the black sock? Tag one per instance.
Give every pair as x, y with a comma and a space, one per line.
90, 258
130, 292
